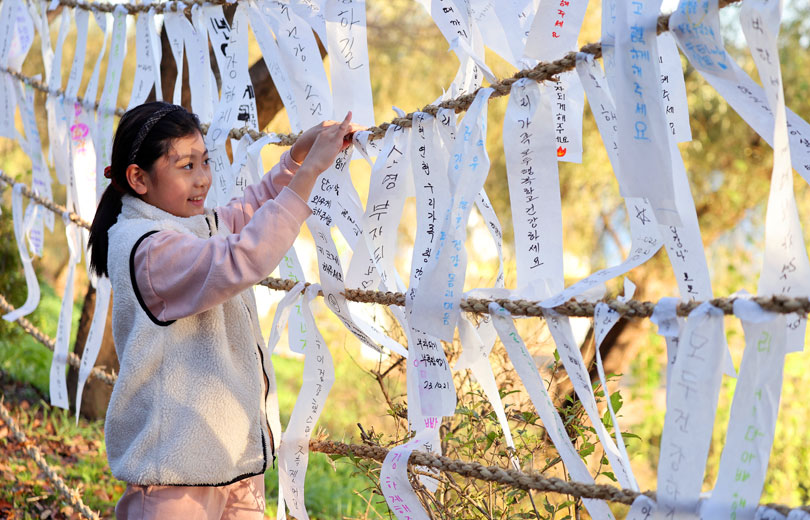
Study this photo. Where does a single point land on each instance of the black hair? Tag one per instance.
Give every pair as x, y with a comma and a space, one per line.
174, 125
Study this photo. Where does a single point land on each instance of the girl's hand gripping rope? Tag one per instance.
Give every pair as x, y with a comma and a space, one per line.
304, 143
320, 146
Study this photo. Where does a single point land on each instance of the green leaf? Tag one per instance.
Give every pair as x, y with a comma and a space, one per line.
586, 449
616, 401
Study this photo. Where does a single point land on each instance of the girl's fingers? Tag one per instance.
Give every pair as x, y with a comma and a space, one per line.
345, 125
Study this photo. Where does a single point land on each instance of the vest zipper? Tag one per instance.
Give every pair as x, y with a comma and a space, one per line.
264, 403
266, 393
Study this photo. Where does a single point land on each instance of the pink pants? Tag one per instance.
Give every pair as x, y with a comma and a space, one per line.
243, 500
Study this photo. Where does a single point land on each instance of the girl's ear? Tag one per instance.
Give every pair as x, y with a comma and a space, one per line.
136, 177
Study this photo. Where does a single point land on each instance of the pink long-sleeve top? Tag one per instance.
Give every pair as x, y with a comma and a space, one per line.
179, 275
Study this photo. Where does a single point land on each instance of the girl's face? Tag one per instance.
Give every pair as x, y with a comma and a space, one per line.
180, 178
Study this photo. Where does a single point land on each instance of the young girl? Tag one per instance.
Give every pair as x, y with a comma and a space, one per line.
186, 427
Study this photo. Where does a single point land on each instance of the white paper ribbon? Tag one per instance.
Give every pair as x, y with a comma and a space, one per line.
331, 274
691, 405
290, 269
280, 319
604, 319
58, 381
430, 181
529, 375
386, 199
766, 513
642, 509
394, 481
201, 81
237, 104
673, 89
475, 357
7, 98
567, 103
574, 364
318, 377
752, 421
493, 224
467, 170
454, 20
31, 282
145, 63
334, 202
348, 60
173, 22
95, 336
497, 21
699, 32
302, 59
57, 143
82, 167
670, 325
275, 65
109, 95
646, 168
41, 23
35, 216
555, 29
312, 12
786, 268
534, 189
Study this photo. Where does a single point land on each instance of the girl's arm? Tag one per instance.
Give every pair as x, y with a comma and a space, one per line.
179, 275
240, 210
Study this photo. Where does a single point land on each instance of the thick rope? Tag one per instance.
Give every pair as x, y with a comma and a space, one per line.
74, 360
543, 71
73, 497
7, 180
159, 7
509, 477
629, 309
42, 87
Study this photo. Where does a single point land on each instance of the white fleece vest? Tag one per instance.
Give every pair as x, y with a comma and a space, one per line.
187, 408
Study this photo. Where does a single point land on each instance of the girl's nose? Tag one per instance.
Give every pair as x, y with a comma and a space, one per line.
203, 177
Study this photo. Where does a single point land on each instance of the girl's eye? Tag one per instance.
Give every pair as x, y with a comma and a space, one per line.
189, 166
206, 161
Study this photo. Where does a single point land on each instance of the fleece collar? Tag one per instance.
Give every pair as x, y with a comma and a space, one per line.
135, 208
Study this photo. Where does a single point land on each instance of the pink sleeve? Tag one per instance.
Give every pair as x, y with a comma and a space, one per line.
179, 275
239, 210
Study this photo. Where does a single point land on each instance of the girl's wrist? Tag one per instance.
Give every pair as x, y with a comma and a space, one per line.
294, 155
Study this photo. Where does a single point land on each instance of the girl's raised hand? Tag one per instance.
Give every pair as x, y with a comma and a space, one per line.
303, 144
329, 140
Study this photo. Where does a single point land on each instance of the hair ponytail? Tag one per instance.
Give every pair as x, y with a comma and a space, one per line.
175, 123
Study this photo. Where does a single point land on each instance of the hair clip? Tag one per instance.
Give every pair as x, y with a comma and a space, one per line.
108, 172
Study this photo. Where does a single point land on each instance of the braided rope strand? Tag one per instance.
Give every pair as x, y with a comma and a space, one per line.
42, 87
56, 208
74, 360
630, 309
509, 477
73, 497
543, 71
159, 7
